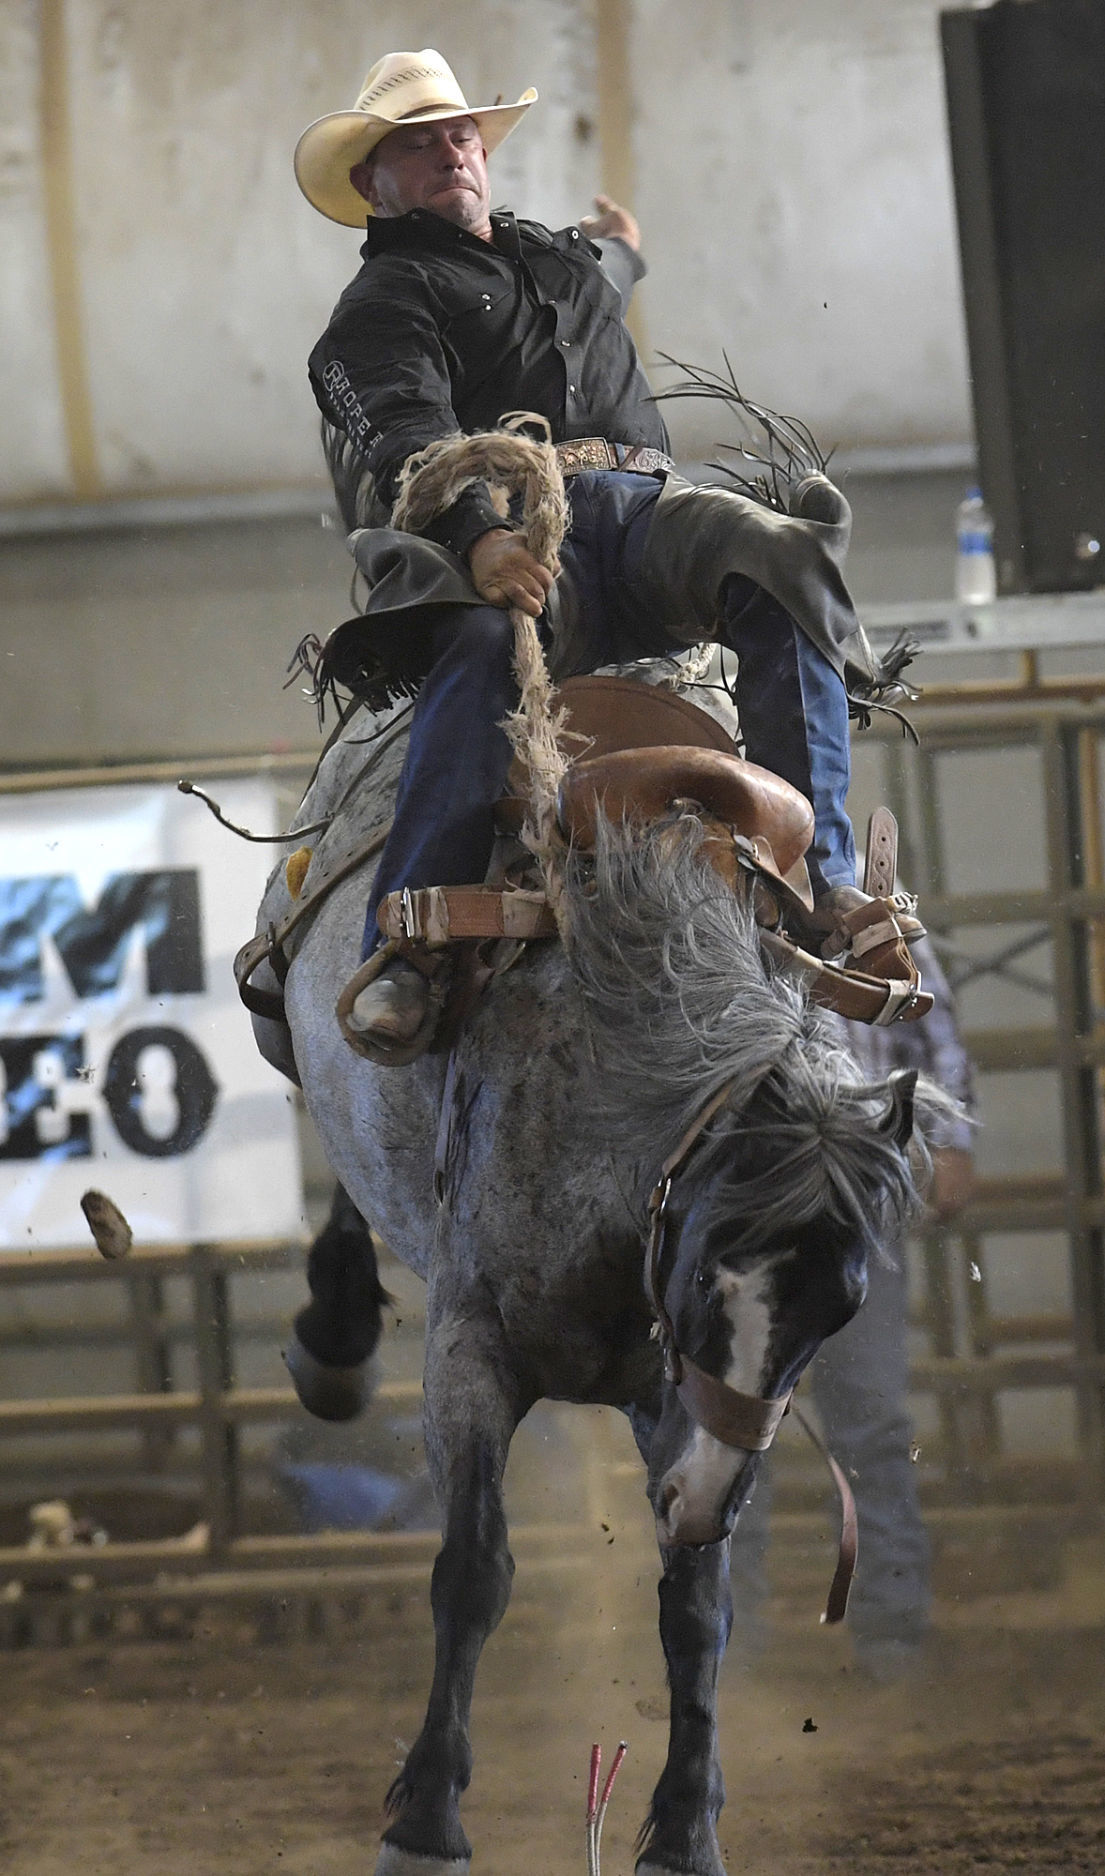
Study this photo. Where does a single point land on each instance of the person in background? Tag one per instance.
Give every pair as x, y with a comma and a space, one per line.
859, 1382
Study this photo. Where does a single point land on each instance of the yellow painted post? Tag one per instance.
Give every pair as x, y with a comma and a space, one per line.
61, 238
1093, 863
613, 32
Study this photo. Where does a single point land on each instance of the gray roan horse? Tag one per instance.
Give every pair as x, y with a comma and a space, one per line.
575, 1076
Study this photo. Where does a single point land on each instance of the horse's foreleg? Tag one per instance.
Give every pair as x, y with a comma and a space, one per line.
695, 1619
471, 1411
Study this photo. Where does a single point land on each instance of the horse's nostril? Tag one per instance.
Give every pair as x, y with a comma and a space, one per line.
667, 1500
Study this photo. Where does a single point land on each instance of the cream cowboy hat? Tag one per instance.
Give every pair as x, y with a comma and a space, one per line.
402, 86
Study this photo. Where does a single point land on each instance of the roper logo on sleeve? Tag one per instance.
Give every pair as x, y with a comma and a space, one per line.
346, 405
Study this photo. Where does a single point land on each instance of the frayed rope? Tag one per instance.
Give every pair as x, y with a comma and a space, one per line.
512, 465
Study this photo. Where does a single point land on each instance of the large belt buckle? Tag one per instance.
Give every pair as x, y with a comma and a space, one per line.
584, 452
646, 460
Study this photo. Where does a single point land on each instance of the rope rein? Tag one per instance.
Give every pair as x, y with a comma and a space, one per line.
513, 466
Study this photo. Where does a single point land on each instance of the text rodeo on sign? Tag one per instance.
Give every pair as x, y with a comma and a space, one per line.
69, 973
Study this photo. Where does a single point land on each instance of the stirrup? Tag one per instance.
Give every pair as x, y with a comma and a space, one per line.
851, 993
433, 967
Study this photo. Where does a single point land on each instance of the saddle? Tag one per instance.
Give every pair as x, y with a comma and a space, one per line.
642, 753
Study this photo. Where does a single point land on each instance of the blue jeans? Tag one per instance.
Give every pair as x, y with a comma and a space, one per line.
792, 704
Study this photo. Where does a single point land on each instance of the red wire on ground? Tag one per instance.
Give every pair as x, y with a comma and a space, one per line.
592, 1812
593, 1785
609, 1785
596, 1806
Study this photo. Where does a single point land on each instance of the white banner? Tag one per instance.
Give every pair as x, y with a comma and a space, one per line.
127, 1062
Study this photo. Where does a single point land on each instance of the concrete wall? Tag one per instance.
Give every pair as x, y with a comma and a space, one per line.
794, 179
163, 279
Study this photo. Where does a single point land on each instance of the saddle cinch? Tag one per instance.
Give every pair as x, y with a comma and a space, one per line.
651, 753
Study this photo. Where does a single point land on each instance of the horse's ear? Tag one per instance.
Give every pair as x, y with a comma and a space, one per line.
898, 1122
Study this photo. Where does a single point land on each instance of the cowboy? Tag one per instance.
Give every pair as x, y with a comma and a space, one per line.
458, 316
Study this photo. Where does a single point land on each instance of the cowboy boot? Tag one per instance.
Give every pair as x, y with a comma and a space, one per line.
872, 928
389, 1009
794, 710
392, 1009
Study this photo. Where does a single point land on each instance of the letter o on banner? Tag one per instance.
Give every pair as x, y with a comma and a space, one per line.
190, 1101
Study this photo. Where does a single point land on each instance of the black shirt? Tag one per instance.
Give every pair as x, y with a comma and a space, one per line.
442, 331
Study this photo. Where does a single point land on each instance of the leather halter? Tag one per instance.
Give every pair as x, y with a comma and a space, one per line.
745, 1421
734, 1418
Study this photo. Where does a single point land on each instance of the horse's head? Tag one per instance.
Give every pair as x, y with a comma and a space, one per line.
763, 1254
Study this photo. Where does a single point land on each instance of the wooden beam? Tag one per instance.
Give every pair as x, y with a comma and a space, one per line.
93, 1413
614, 62
210, 767
55, 129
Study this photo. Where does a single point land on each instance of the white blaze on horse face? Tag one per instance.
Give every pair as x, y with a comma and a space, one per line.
748, 1312
694, 1492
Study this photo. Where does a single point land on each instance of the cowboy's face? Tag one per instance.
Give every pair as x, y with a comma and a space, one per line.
438, 166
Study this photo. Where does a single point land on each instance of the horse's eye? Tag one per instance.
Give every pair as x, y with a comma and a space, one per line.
704, 1279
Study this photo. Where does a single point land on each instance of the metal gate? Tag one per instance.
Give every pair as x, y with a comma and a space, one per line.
1013, 779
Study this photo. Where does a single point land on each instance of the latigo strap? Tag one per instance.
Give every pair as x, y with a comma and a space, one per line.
882, 854
441, 915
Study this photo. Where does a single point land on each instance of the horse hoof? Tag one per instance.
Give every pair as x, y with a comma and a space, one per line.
329, 1393
392, 1861
656, 1869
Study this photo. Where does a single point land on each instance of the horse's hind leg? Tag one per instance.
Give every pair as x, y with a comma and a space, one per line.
695, 1618
337, 1332
471, 1411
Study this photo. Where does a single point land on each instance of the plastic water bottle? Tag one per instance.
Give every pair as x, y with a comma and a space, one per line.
976, 582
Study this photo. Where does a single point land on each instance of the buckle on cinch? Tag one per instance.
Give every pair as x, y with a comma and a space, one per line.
408, 917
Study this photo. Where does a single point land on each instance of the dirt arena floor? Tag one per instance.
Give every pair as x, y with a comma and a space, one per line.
224, 1754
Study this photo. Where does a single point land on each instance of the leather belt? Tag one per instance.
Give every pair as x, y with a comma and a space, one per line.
597, 452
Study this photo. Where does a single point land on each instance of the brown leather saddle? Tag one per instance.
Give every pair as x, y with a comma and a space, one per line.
640, 752
648, 749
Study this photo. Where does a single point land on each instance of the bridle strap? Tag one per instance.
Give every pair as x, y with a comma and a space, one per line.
736, 1419
657, 1206
836, 1602
698, 1125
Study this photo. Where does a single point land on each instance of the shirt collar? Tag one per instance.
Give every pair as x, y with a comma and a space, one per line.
420, 227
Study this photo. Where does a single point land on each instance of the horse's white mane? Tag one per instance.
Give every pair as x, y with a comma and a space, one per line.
680, 1000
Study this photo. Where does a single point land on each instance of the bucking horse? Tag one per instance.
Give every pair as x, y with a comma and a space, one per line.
637, 1167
